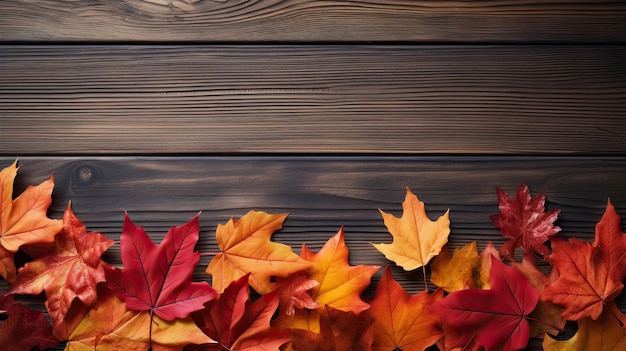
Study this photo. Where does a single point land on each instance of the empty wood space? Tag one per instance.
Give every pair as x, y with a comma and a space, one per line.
325, 110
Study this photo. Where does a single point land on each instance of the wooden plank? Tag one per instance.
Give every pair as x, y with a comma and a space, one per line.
321, 194
312, 20
313, 99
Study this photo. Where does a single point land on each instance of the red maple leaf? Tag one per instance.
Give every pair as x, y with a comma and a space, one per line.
23, 328
158, 278
494, 319
236, 323
294, 292
525, 221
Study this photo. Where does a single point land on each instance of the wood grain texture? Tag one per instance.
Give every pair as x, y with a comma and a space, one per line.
313, 99
321, 194
313, 20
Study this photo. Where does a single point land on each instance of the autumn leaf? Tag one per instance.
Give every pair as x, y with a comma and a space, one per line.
294, 292
340, 285
22, 328
246, 248
604, 333
23, 220
486, 257
589, 275
457, 272
525, 221
402, 321
66, 269
158, 278
110, 325
494, 319
416, 239
236, 323
339, 330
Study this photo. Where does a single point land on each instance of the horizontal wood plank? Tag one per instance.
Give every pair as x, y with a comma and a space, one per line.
313, 99
313, 20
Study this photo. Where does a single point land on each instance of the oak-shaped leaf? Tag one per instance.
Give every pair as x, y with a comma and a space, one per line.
247, 248
22, 328
110, 325
416, 239
590, 275
23, 220
66, 269
294, 292
605, 333
340, 284
238, 324
159, 278
525, 221
495, 319
402, 320
339, 330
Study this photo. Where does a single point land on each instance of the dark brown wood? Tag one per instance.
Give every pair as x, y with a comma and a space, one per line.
312, 20
313, 99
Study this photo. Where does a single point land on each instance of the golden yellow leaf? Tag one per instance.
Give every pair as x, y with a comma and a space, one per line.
457, 272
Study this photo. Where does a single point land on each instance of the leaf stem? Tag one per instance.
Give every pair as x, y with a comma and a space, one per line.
425, 282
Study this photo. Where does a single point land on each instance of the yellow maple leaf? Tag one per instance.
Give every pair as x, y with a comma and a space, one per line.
457, 272
246, 248
416, 239
23, 220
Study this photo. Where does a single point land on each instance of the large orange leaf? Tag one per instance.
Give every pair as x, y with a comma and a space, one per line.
66, 269
340, 285
246, 248
23, 220
604, 333
589, 275
416, 239
111, 326
402, 322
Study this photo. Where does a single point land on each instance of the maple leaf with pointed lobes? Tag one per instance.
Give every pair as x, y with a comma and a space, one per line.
294, 292
246, 248
589, 275
66, 269
23, 220
495, 319
110, 325
237, 323
339, 330
402, 321
457, 272
340, 285
23, 328
158, 279
525, 221
416, 239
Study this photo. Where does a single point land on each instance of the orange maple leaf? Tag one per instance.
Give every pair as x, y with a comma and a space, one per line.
246, 248
66, 269
402, 321
23, 220
589, 275
416, 239
340, 285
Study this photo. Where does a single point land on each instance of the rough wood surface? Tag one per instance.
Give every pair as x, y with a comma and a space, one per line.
321, 194
313, 20
313, 99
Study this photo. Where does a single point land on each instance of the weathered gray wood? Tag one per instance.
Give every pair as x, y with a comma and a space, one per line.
313, 99
312, 20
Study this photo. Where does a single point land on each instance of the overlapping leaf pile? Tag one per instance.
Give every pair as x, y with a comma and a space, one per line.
492, 300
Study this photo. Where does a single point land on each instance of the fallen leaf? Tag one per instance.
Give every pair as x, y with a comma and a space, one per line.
604, 333
22, 328
494, 319
339, 330
237, 323
401, 320
294, 292
457, 272
589, 275
246, 248
23, 220
66, 269
525, 221
158, 278
416, 239
486, 257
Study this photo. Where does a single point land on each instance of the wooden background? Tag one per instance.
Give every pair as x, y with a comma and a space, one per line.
322, 109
